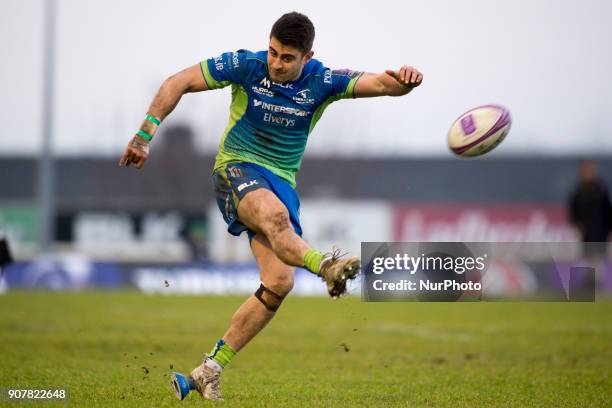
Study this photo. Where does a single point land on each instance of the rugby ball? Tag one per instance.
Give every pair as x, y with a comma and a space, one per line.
479, 130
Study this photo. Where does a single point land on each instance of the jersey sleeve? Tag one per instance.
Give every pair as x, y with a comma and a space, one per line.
342, 83
227, 68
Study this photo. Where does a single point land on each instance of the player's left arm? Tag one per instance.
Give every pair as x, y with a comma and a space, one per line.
388, 83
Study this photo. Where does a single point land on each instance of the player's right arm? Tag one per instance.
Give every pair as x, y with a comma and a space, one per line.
173, 88
164, 102
214, 73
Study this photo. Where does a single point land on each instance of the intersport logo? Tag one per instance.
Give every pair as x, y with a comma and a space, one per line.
279, 108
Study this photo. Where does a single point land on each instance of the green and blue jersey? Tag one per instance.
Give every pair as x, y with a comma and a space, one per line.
270, 122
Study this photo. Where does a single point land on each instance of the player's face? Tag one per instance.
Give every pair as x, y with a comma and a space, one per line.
285, 63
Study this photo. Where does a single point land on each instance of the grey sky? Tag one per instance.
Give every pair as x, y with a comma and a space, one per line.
548, 61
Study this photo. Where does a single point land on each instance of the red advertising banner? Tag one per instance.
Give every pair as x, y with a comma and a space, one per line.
482, 223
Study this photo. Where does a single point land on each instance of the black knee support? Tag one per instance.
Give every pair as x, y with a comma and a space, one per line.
269, 299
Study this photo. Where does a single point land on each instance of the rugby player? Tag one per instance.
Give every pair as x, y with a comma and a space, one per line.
278, 95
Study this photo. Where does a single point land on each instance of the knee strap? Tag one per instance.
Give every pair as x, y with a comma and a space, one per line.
269, 299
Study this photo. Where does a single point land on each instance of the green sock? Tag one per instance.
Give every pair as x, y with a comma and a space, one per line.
222, 353
312, 260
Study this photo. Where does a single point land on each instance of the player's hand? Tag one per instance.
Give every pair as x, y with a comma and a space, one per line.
136, 153
408, 77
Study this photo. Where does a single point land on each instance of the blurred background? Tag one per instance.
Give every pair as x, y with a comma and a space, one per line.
77, 78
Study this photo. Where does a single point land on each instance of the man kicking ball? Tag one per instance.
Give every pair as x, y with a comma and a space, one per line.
278, 96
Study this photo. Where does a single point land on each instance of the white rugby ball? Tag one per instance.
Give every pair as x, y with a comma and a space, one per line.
479, 130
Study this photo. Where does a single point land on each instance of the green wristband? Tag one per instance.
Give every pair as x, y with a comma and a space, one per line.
144, 135
153, 119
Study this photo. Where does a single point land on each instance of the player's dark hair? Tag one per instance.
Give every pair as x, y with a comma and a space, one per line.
294, 29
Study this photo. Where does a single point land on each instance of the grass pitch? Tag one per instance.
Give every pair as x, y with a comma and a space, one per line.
118, 349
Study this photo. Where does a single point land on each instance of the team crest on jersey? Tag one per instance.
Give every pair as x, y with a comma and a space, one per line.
304, 93
304, 97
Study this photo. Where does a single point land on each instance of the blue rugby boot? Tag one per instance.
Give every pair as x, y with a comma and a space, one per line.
182, 384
